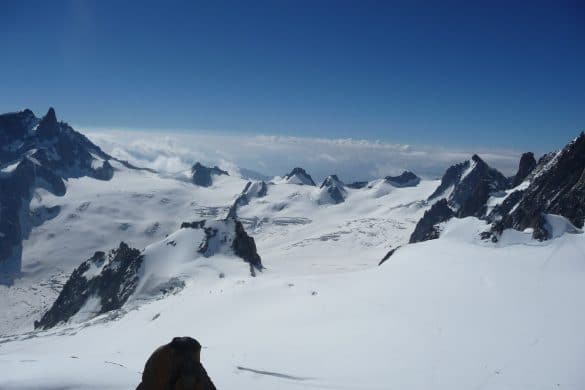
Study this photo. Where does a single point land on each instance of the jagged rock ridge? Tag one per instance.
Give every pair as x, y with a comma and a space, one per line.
558, 187
299, 176
332, 190
38, 153
525, 168
427, 227
105, 283
405, 179
203, 176
257, 189
468, 185
110, 279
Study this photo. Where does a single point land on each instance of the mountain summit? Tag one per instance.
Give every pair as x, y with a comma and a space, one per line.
38, 153
299, 176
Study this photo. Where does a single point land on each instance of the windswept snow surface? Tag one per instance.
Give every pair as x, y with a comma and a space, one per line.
452, 313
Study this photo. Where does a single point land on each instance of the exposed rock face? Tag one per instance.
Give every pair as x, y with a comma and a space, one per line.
557, 187
37, 153
105, 282
227, 233
111, 279
299, 176
405, 179
252, 190
526, 166
244, 246
468, 185
332, 190
202, 175
427, 228
16, 191
388, 255
357, 184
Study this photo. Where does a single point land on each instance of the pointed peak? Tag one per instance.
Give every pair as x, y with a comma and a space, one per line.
332, 180
299, 176
48, 125
50, 115
476, 158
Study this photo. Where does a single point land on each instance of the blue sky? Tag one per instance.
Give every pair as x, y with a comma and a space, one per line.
502, 74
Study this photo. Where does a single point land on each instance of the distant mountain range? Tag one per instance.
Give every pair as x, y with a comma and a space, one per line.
43, 154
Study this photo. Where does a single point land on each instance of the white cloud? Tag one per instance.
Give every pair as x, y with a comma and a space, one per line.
273, 155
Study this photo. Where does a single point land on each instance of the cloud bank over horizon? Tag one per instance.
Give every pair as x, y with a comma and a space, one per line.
351, 159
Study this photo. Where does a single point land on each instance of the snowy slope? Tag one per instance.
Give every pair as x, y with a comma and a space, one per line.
138, 207
453, 313
295, 231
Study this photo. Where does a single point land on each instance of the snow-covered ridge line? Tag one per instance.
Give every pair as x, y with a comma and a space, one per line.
106, 282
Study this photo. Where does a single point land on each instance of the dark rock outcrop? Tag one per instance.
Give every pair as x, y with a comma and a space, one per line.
202, 175
388, 255
38, 153
227, 232
357, 184
335, 190
176, 365
468, 185
252, 190
405, 179
525, 167
112, 284
427, 228
244, 246
558, 187
299, 176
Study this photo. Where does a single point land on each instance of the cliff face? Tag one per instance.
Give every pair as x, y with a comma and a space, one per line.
38, 153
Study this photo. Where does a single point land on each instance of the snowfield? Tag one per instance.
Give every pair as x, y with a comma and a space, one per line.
452, 313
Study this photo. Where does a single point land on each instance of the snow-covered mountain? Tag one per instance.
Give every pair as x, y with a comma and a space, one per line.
299, 176
203, 176
104, 283
467, 297
39, 154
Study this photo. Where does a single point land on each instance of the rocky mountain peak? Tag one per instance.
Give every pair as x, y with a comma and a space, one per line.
468, 185
405, 179
299, 176
202, 175
525, 167
107, 281
331, 180
48, 126
557, 187
332, 190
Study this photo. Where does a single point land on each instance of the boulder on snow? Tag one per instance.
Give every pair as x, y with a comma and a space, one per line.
176, 365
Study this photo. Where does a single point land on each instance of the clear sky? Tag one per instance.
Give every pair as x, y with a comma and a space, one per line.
507, 74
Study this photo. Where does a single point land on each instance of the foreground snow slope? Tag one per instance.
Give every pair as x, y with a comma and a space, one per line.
453, 313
